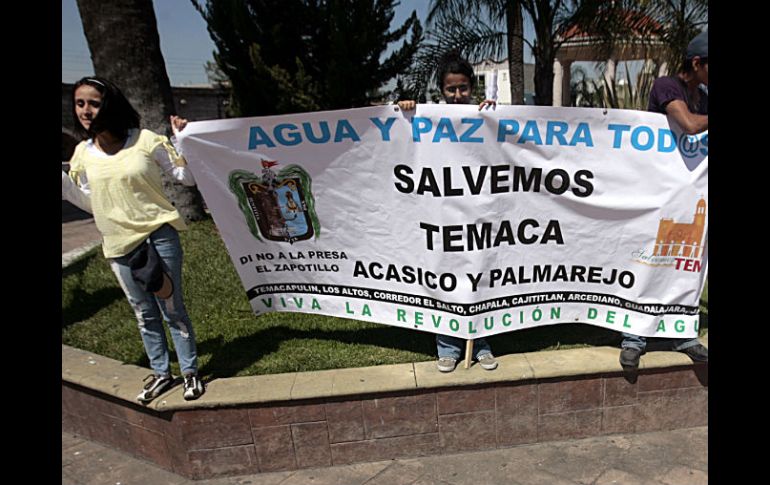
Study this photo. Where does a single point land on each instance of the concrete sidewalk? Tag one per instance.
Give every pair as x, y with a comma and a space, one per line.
678, 457
78, 233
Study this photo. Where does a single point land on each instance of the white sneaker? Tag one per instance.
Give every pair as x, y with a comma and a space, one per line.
193, 387
446, 364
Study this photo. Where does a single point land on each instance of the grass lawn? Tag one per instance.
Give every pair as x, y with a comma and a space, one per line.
232, 341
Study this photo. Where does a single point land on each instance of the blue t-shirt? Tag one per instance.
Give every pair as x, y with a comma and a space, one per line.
667, 89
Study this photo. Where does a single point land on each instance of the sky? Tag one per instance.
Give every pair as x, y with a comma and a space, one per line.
184, 40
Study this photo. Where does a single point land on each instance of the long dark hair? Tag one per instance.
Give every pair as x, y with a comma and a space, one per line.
454, 63
116, 114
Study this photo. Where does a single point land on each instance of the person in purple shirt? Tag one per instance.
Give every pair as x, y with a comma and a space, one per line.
684, 98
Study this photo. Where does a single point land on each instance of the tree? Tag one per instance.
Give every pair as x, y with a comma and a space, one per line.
479, 28
285, 56
556, 22
651, 24
257, 41
515, 23
122, 36
549, 19
675, 23
358, 34
614, 25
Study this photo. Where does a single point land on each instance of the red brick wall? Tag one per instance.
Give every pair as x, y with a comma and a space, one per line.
208, 443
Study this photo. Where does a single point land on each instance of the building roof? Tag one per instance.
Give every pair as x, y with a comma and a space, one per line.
640, 25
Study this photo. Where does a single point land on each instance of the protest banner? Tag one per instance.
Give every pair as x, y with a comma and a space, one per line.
462, 222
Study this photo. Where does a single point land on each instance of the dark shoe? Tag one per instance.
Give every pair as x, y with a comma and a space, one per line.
155, 386
193, 387
698, 353
629, 357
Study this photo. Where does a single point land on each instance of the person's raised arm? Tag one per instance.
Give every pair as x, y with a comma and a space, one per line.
170, 159
72, 193
691, 123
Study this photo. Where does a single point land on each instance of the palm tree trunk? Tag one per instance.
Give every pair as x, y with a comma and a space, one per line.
123, 39
515, 40
544, 76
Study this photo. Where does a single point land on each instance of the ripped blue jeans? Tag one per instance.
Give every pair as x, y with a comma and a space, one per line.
152, 311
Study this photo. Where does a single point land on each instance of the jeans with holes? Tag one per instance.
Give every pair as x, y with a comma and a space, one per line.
455, 347
152, 311
640, 343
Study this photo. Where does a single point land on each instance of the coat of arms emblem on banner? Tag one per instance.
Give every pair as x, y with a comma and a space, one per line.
277, 207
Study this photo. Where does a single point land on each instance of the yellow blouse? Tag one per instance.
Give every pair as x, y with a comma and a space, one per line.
126, 191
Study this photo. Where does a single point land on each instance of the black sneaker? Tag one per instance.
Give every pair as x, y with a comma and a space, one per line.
156, 386
629, 357
193, 387
698, 353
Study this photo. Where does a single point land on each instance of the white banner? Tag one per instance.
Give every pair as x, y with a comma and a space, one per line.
460, 222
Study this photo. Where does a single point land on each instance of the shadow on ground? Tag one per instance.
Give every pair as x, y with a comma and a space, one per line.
229, 358
71, 213
83, 304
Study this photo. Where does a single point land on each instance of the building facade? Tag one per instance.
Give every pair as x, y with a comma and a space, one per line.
490, 71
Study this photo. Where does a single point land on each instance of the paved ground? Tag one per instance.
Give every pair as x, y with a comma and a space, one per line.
678, 457
78, 232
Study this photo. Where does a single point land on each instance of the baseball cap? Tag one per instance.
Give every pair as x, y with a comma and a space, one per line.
699, 46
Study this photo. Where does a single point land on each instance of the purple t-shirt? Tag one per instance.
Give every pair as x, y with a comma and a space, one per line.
667, 89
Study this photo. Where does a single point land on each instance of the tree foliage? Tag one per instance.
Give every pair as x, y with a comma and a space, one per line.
663, 28
464, 26
479, 29
500, 33
676, 23
284, 56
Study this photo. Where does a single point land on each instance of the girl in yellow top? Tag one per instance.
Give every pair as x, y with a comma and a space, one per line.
119, 166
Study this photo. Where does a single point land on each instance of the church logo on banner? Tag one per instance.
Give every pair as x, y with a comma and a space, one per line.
678, 244
277, 206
